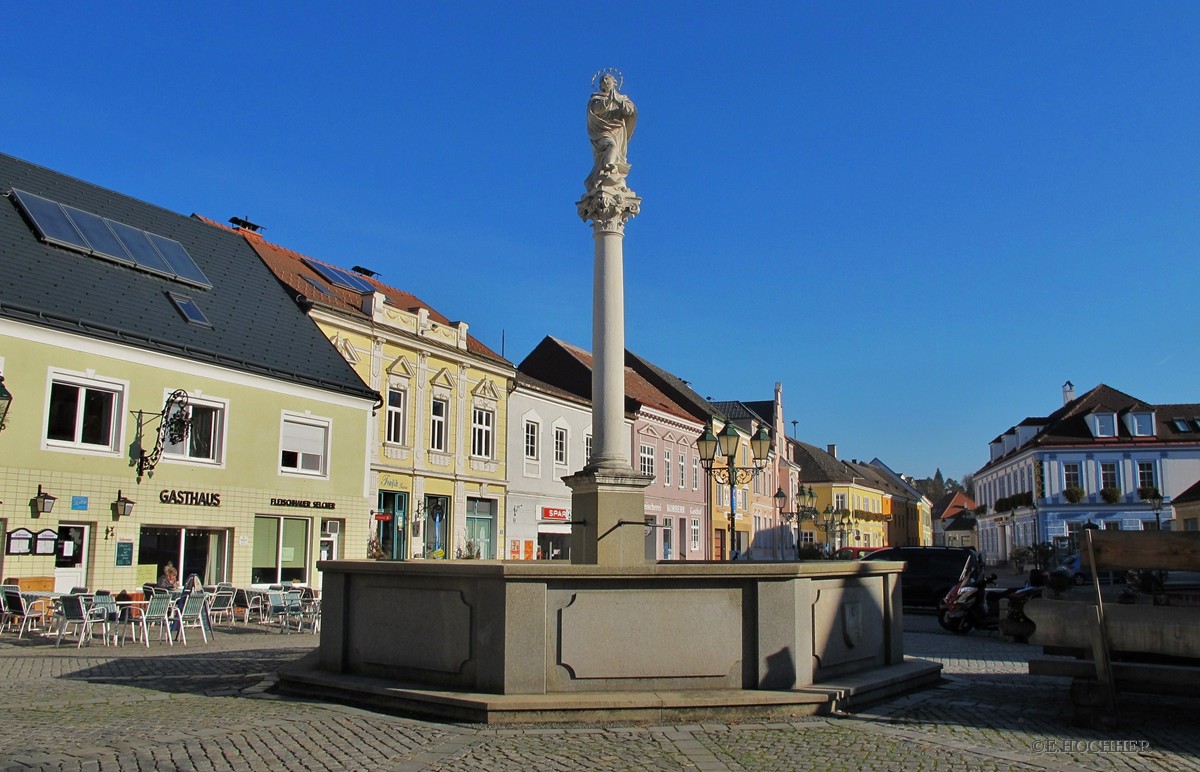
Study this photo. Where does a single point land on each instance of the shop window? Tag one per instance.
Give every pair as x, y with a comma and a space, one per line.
200, 551
280, 551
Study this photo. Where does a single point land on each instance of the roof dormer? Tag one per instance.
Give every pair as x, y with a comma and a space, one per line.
1140, 423
1102, 423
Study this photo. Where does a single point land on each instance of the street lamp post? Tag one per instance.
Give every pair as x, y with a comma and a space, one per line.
804, 510
1156, 503
731, 474
834, 521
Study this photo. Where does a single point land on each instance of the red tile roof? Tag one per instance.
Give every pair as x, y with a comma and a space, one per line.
290, 268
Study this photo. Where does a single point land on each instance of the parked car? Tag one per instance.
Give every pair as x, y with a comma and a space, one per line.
929, 572
1074, 567
853, 553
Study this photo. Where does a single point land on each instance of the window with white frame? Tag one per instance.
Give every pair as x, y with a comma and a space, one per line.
560, 445
646, 459
1142, 424
439, 409
682, 469
587, 447
695, 473
532, 439
1108, 475
1071, 476
397, 408
205, 439
839, 501
1146, 476
84, 413
695, 534
667, 467
1106, 424
304, 445
807, 537
482, 432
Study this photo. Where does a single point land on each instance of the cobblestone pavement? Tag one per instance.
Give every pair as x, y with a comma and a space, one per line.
211, 707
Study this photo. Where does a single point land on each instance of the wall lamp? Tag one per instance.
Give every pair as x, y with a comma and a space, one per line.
43, 502
5, 402
123, 507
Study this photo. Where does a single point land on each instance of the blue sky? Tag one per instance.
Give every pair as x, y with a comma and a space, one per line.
921, 218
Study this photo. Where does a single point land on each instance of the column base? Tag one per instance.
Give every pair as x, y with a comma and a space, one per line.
608, 517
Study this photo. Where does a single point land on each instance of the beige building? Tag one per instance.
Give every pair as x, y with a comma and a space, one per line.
437, 445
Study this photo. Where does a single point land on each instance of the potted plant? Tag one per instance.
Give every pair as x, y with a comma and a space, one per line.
1110, 495
1074, 494
1020, 556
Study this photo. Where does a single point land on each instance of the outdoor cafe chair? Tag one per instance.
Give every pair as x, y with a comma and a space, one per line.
220, 605
73, 612
250, 602
191, 614
158, 611
4, 613
30, 614
280, 608
105, 610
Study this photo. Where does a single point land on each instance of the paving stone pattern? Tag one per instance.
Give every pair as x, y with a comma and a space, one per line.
212, 707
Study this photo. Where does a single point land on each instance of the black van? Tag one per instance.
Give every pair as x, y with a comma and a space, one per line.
929, 572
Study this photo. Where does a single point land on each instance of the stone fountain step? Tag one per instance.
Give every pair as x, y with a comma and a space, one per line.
304, 679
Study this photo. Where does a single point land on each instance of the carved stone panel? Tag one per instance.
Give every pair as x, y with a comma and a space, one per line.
683, 633
847, 623
432, 633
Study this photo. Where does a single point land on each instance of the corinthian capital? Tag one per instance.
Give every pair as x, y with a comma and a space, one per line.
609, 208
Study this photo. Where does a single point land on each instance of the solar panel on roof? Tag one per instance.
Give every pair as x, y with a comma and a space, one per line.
180, 261
341, 278
140, 248
92, 234
101, 238
50, 220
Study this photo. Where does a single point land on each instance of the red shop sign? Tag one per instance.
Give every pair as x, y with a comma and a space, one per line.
382, 517
554, 513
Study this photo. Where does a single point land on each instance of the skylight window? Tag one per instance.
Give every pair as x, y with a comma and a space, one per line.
341, 278
1181, 425
320, 287
189, 309
98, 236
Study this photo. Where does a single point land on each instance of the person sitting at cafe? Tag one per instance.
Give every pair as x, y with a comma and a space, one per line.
169, 578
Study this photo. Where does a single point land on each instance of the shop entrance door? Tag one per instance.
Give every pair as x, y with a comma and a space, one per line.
70, 557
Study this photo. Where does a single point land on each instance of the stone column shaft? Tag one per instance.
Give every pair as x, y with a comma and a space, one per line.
608, 353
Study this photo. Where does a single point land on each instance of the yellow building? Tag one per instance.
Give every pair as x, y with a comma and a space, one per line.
107, 343
437, 446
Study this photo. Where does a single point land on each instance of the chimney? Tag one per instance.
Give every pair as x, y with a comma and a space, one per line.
1068, 392
832, 449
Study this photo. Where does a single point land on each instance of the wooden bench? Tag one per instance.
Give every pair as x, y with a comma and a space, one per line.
35, 583
1120, 647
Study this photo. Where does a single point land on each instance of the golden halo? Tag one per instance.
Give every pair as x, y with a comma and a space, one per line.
613, 71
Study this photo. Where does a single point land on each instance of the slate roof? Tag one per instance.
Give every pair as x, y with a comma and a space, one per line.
535, 384
961, 523
878, 479
256, 328
674, 387
816, 465
288, 265
569, 367
1189, 495
1067, 426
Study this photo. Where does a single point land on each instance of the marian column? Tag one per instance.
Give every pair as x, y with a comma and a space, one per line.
607, 499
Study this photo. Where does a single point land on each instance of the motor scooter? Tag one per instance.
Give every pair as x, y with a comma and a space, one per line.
969, 605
